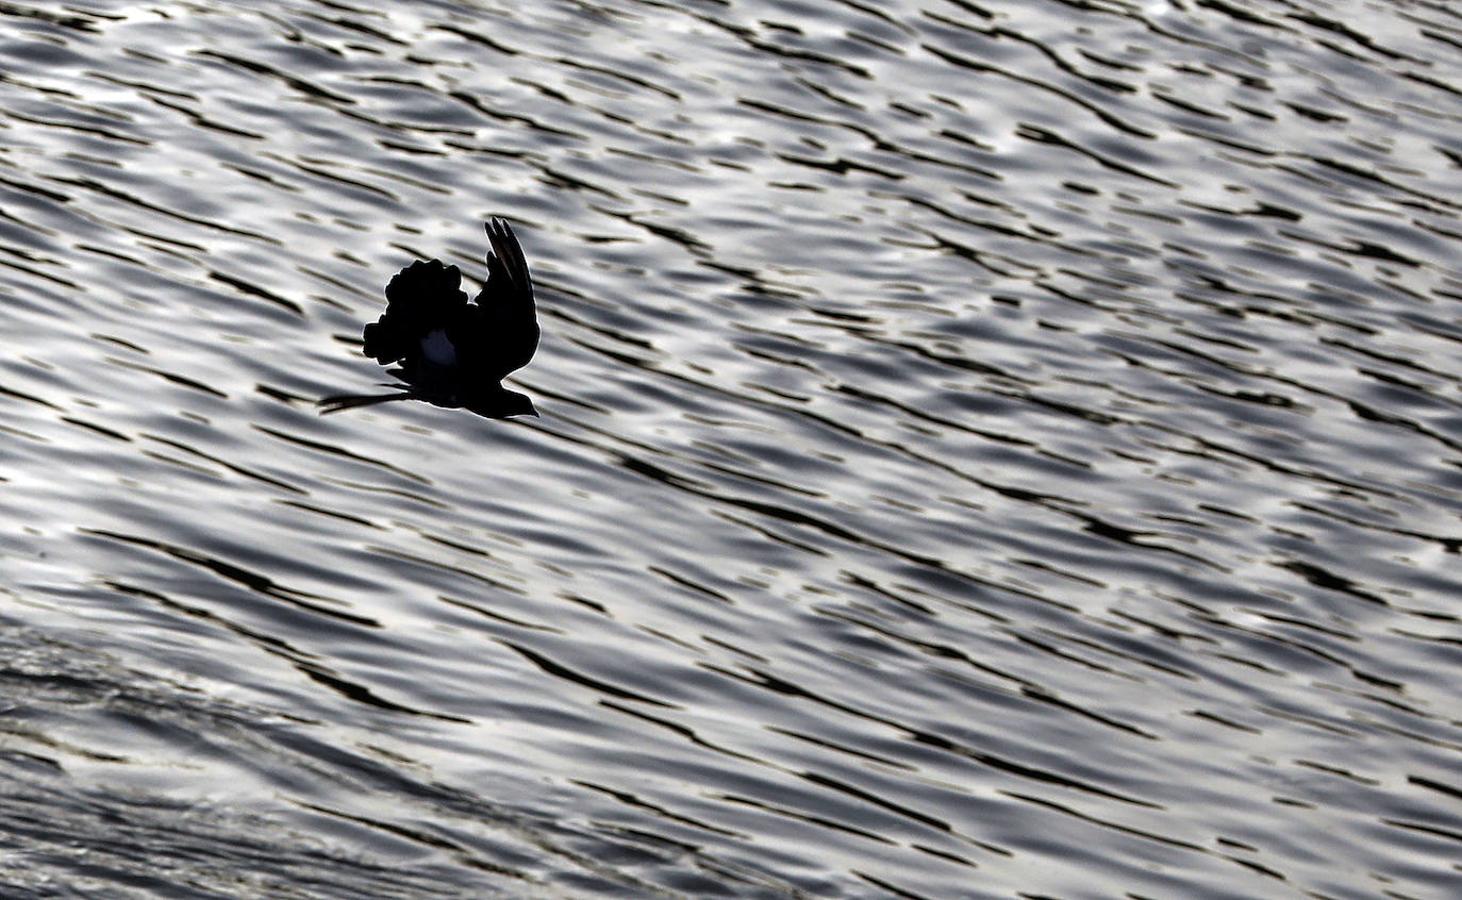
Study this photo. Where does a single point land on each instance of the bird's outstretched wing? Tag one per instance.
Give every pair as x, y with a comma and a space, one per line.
502, 324
508, 281
418, 298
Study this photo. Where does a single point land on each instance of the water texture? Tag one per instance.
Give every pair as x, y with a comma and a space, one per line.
986, 448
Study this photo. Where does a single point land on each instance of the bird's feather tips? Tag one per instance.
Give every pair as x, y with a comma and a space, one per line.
430, 283
508, 277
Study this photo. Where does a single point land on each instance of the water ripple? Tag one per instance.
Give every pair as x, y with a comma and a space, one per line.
986, 448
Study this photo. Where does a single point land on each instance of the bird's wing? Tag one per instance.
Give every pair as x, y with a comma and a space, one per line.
427, 285
508, 281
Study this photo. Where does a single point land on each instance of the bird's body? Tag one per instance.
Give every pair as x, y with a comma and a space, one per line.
450, 351
437, 349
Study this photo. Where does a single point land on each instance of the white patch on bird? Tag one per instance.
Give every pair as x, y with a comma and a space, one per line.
438, 348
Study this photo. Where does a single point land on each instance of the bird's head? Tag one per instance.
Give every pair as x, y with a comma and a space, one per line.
518, 405
501, 404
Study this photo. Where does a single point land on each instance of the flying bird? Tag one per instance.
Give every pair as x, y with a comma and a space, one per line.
449, 351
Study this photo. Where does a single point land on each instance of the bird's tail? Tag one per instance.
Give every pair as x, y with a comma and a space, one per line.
338, 402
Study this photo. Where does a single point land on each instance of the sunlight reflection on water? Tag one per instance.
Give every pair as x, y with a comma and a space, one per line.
983, 449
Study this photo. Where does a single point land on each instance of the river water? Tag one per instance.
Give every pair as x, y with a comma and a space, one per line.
987, 447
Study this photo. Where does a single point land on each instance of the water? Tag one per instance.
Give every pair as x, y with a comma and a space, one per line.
986, 448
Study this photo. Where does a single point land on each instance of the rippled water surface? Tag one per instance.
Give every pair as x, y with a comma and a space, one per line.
986, 448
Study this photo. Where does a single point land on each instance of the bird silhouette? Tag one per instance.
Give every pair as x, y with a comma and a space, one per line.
451, 352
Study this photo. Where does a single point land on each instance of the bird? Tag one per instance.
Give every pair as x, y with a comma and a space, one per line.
451, 352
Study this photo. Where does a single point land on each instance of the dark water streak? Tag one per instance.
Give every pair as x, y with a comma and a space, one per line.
986, 448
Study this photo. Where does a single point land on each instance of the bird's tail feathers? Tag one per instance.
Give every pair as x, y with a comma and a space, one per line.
338, 402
